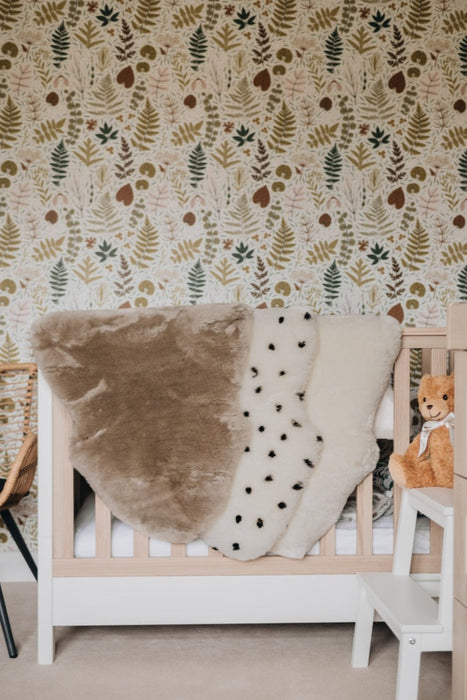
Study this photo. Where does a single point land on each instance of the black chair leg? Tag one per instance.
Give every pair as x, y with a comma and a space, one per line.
5, 623
18, 538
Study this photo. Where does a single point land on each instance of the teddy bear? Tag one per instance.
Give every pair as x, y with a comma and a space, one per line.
429, 459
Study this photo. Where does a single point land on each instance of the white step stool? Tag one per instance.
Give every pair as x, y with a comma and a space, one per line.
417, 620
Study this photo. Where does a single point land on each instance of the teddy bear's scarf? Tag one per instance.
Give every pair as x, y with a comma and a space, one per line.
430, 425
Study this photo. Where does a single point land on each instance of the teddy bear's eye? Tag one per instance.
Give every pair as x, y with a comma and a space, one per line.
424, 399
445, 397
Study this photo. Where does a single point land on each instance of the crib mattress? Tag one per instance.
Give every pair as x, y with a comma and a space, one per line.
346, 537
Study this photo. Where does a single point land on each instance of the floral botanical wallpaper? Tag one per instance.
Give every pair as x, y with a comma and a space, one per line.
273, 152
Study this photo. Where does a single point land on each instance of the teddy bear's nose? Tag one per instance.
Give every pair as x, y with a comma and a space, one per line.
429, 406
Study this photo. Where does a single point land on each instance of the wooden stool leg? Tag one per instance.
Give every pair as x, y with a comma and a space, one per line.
408, 670
5, 624
363, 631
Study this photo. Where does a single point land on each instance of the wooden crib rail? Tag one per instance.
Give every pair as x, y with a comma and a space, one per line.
431, 343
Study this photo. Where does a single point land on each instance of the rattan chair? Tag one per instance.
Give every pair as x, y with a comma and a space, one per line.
18, 459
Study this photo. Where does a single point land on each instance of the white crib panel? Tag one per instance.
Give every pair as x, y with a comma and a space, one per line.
190, 600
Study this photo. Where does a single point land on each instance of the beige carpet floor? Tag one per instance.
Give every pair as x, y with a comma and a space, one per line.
260, 662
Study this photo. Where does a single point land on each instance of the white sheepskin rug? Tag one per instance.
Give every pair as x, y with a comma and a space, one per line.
350, 373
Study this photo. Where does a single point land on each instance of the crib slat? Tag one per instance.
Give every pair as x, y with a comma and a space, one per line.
140, 545
63, 521
327, 543
103, 530
178, 551
365, 516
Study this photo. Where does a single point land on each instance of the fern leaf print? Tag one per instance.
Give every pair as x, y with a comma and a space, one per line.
196, 282
334, 47
58, 280
60, 45
59, 162
197, 46
197, 165
332, 166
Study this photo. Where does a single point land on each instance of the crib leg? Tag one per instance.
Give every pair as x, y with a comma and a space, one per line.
408, 669
363, 631
5, 625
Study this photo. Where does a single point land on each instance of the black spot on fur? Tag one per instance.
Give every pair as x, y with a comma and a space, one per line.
261, 428
281, 319
259, 523
215, 549
235, 546
269, 477
283, 436
281, 373
298, 486
282, 505
258, 390
271, 346
307, 316
238, 518
247, 449
301, 344
296, 424
319, 438
309, 463
248, 489
271, 453
246, 413
301, 395
254, 371
278, 407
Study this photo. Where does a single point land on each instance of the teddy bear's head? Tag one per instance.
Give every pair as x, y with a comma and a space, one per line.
436, 396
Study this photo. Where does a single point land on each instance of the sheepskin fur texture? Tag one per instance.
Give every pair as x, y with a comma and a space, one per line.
154, 396
247, 428
284, 446
349, 376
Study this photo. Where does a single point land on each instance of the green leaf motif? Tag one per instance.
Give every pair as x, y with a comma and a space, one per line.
332, 283
283, 246
47, 249
9, 14
147, 127
60, 45
49, 12
146, 15
417, 248
332, 166
462, 284
58, 280
282, 17
10, 124
105, 100
49, 130
196, 282
334, 47
283, 130
418, 131
186, 250
59, 162
146, 245
323, 251
197, 163
418, 18
455, 22
463, 55
197, 46
10, 240
187, 15
185, 133
463, 171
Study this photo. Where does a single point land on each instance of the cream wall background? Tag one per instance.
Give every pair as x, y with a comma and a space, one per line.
270, 152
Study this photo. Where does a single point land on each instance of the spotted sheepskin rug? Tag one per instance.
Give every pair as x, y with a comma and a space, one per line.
246, 428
